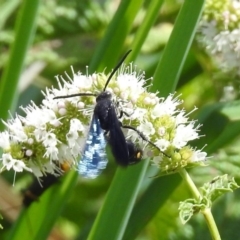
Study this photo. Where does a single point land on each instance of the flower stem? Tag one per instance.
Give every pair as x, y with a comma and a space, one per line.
211, 224
207, 211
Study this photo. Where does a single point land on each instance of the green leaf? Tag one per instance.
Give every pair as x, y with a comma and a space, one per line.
221, 124
6, 10
37, 221
113, 217
188, 208
149, 19
210, 192
218, 186
148, 205
169, 68
25, 28
111, 45
165, 80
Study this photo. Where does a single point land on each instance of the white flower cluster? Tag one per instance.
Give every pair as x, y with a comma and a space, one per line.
55, 132
220, 33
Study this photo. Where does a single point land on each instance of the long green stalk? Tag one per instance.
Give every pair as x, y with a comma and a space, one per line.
25, 29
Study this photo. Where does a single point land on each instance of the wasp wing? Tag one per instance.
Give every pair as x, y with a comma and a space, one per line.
94, 158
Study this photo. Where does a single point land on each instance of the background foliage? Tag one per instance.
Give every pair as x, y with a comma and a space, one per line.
35, 47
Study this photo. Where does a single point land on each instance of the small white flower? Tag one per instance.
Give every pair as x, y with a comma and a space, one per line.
76, 125
147, 128
76, 149
83, 82
236, 5
16, 130
7, 161
138, 113
157, 111
49, 139
19, 166
51, 153
180, 118
162, 144
184, 134
127, 83
64, 153
4, 140
209, 30
40, 134
219, 34
71, 138
34, 117
199, 156
73, 134
167, 107
221, 40
50, 168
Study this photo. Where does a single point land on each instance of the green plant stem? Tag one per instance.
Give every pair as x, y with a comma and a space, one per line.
211, 224
207, 211
184, 174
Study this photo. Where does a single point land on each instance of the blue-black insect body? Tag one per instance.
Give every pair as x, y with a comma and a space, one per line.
135, 152
105, 125
105, 111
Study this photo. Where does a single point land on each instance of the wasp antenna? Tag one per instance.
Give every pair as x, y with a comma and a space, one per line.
116, 68
76, 95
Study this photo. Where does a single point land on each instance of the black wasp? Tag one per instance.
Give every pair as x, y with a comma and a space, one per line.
106, 127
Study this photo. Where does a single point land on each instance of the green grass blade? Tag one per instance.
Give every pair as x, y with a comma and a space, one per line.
149, 19
164, 76
111, 46
25, 28
37, 221
169, 68
158, 193
113, 217
104, 226
221, 124
6, 9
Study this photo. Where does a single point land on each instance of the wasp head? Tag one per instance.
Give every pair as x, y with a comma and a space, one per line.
104, 95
